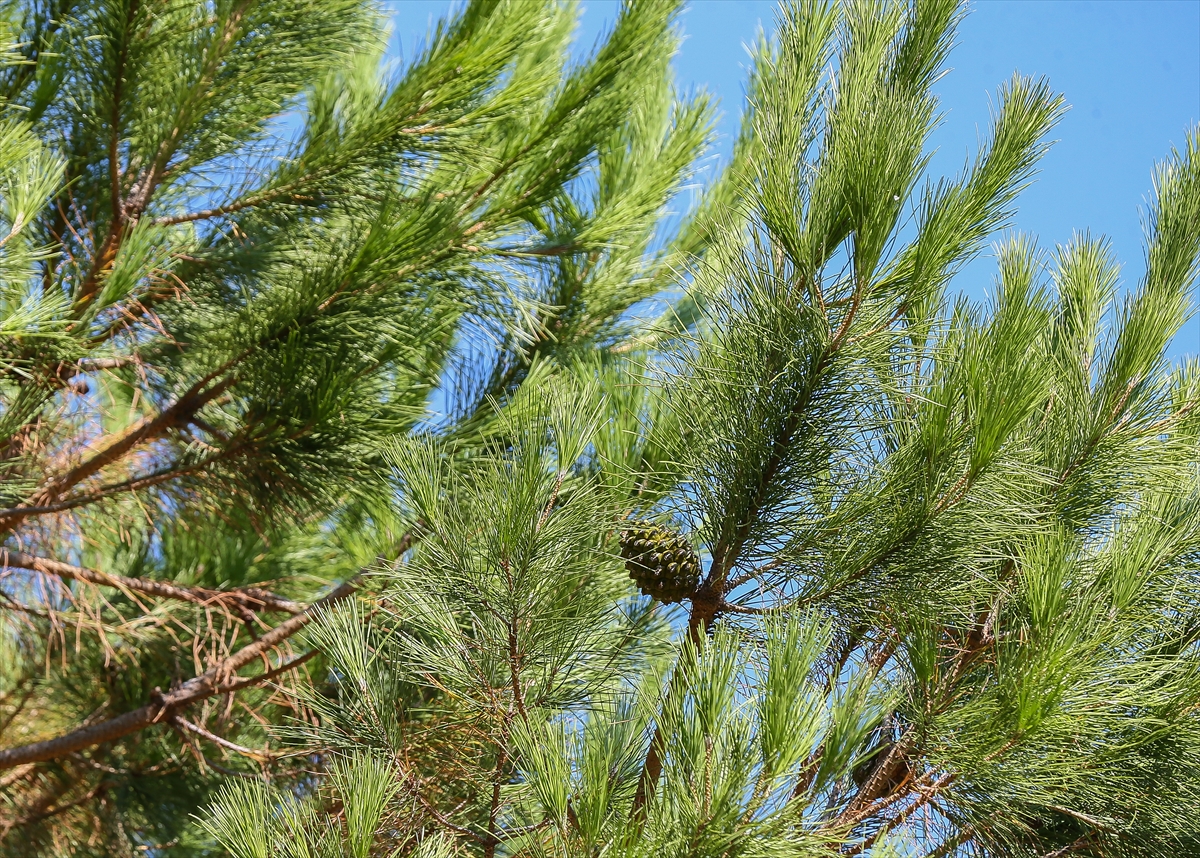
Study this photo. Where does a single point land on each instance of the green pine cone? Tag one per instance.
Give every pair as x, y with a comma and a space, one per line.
660, 561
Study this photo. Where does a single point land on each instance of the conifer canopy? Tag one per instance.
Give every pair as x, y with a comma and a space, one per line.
387, 473
241, 255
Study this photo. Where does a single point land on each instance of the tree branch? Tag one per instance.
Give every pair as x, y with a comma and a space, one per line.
252, 753
259, 679
119, 216
128, 211
133, 484
702, 613
965, 835
147, 429
219, 679
215, 680
252, 598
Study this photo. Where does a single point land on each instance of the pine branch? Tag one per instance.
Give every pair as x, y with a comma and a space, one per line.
221, 211
708, 599
216, 680
56, 810
114, 137
128, 212
118, 216
652, 765
965, 835
289, 665
147, 429
259, 755
251, 598
134, 484
1079, 845
212, 682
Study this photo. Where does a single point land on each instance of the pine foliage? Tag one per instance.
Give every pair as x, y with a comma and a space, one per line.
241, 254
948, 602
290, 333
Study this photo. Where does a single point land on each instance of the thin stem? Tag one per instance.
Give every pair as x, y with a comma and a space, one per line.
252, 598
210, 683
254, 754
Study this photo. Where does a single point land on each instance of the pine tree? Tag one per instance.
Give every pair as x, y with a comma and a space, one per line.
947, 599
241, 256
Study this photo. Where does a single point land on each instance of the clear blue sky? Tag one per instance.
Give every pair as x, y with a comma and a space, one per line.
1130, 69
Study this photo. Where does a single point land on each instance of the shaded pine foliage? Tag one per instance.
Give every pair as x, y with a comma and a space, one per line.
948, 597
241, 254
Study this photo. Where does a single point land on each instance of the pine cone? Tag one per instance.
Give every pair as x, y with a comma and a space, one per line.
661, 562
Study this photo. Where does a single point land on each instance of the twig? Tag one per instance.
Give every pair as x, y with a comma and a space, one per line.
212, 682
250, 597
223, 742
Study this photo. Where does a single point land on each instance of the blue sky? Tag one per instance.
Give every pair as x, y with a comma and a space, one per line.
1130, 69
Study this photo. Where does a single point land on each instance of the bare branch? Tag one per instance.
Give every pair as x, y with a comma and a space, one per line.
215, 680
221, 741
252, 598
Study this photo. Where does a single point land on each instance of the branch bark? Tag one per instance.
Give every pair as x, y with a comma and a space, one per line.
216, 680
219, 679
252, 598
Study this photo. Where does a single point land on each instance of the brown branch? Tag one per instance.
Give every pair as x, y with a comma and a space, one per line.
254, 754
879, 782
46, 797
533, 252
558, 481
7, 722
965, 835
102, 787
16, 775
1082, 843
205, 762
218, 679
514, 668
239, 205
133, 484
215, 680
120, 217
114, 137
492, 840
252, 598
94, 364
259, 679
147, 429
844, 327
757, 571
808, 773
704, 611
219, 211
432, 810
1086, 819
13, 605
150, 429
925, 795
200, 91
128, 212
